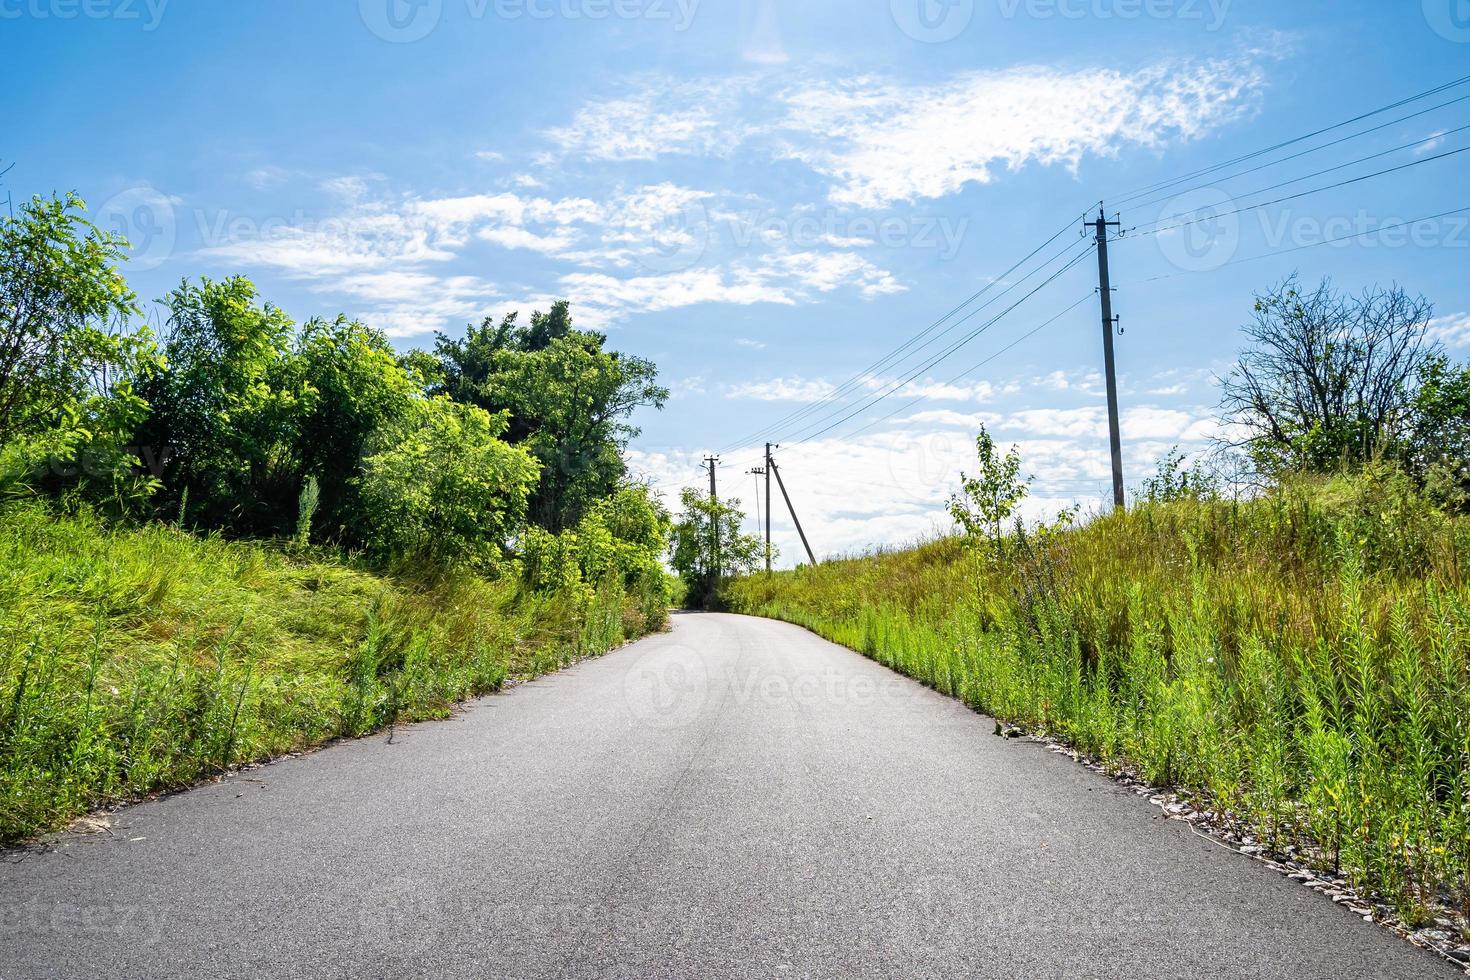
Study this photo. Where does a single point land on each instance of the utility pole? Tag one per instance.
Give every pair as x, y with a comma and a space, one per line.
1109, 322
713, 462
769, 465
794, 519
758, 472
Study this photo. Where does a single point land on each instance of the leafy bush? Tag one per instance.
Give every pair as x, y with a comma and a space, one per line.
441, 484
226, 413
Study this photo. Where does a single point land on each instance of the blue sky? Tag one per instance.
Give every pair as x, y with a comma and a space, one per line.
766, 197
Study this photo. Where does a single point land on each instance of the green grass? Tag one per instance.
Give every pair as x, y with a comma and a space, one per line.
135, 660
1299, 659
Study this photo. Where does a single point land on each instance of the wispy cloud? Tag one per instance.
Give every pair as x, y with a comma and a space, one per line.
661, 118
1452, 331
782, 390
1430, 145
884, 143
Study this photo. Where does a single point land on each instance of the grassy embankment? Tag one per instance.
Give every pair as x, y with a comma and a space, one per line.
133, 660
1300, 659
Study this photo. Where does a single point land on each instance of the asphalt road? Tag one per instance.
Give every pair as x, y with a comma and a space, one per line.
735, 799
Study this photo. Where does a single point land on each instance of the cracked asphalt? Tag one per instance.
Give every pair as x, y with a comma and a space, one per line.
736, 798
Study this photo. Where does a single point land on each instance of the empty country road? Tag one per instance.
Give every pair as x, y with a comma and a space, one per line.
736, 798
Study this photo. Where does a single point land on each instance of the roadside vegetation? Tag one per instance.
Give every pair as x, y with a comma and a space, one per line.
1295, 653
238, 536
707, 546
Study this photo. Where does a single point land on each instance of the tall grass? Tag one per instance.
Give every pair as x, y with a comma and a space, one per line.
1300, 659
133, 660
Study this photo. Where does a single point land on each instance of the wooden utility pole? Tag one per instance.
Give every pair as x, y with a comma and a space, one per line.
1109, 322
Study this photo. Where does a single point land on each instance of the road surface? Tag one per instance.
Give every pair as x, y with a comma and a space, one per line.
734, 799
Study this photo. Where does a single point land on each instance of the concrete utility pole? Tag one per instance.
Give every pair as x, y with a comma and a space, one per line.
758, 472
768, 506
713, 462
794, 519
1109, 321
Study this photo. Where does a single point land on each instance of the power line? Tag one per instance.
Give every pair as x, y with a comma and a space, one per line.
1351, 163
1308, 152
1155, 188
895, 386
892, 386
975, 367
1302, 248
953, 347
848, 386
1135, 232
1330, 170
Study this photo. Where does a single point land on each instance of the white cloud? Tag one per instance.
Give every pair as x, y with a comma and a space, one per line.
652, 294
361, 241
1085, 381
351, 188
1430, 145
664, 118
1452, 331
826, 271
749, 344
411, 304
885, 143
513, 237
798, 389
266, 178
951, 391
380, 235
782, 390
692, 385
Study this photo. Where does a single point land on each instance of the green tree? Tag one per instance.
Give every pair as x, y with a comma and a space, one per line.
987, 501
356, 388
708, 544
1328, 378
625, 534
226, 412
1440, 442
70, 357
569, 398
442, 484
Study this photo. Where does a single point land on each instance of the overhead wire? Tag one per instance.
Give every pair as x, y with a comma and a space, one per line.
962, 342
1255, 154
1140, 231
851, 384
